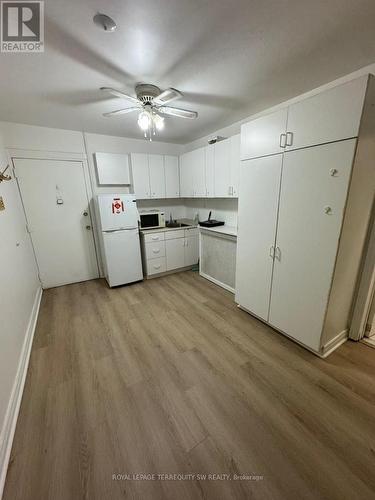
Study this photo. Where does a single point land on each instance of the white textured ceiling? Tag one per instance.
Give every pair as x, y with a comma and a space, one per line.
229, 58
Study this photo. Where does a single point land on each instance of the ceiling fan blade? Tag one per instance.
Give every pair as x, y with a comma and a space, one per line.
167, 96
119, 112
120, 94
181, 113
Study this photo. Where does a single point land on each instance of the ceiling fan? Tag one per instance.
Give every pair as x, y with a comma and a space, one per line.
151, 103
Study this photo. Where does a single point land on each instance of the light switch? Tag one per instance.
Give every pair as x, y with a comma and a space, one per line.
2, 205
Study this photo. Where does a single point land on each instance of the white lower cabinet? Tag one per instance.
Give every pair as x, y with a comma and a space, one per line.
156, 266
169, 250
175, 253
183, 249
191, 250
155, 249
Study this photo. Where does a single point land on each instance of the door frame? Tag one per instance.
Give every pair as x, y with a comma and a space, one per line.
15, 154
366, 286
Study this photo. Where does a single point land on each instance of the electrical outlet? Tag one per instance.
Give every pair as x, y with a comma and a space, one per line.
2, 205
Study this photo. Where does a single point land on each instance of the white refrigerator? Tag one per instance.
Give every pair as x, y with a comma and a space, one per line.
119, 234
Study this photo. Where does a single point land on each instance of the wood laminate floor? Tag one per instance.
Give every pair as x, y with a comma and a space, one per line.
168, 376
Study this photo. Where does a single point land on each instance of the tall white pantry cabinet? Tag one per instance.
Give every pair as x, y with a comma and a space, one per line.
307, 184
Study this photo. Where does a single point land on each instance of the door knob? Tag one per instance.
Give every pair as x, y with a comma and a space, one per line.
88, 228
333, 172
327, 210
85, 214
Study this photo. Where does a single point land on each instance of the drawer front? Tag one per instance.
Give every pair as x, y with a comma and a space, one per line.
153, 237
155, 250
156, 266
191, 232
172, 235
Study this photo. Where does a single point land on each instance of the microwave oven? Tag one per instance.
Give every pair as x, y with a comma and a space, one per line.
151, 219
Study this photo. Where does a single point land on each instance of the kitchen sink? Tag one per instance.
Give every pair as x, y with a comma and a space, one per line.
176, 224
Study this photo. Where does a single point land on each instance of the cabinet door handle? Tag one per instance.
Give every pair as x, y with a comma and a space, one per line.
282, 140
278, 254
289, 138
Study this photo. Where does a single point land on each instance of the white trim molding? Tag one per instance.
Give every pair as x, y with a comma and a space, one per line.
11, 415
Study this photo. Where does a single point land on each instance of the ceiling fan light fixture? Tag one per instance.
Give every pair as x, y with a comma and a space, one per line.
144, 120
159, 122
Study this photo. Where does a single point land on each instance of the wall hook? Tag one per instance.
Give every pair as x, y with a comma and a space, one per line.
4, 177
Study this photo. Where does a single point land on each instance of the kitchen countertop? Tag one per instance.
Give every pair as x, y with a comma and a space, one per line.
230, 230
189, 224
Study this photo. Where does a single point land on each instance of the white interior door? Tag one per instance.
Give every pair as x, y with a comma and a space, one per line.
257, 218
157, 176
57, 211
172, 177
329, 116
262, 136
141, 176
312, 201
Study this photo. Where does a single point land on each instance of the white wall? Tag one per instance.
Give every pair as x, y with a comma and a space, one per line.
33, 138
224, 209
18, 293
235, 128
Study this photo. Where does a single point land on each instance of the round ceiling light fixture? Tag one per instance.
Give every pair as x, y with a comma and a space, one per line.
105, 22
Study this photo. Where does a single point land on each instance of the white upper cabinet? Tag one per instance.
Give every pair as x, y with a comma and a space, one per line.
235, 147
264, 136
197, 160
157, 177
186, 176
222, 169
141, 178
112, 169
172, 177
330, 116
210, 170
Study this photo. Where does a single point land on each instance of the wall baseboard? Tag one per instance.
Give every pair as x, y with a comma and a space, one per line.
11, 415
217, 282
334, 343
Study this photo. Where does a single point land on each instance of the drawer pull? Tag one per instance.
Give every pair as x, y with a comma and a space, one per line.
156, 250
157, 267
155, 238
